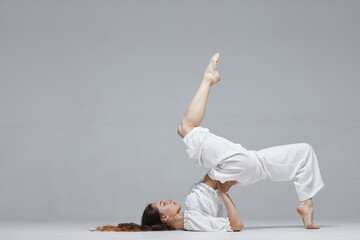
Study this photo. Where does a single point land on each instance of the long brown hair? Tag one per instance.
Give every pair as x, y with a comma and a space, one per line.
150, 221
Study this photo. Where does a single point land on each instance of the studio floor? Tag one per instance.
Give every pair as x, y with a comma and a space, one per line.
265, 229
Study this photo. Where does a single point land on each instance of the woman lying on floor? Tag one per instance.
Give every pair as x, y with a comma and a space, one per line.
228, 164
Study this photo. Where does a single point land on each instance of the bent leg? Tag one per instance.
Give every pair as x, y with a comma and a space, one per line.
294, 162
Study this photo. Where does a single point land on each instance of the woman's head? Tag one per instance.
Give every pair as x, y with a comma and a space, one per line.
158, 215
168, 209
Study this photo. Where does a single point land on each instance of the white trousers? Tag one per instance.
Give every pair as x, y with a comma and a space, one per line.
231, 161
293, 162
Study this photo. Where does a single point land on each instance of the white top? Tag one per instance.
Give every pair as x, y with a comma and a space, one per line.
225, 160
204, 210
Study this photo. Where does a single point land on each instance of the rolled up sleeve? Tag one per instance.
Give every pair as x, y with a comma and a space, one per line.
198, 221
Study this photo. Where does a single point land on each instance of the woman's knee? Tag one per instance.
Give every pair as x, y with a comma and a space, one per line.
306, 146
184, 128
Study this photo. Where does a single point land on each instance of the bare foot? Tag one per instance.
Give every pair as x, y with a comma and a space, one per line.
306, 211
211, 74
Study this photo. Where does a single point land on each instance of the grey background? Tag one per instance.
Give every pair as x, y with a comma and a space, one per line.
92, 92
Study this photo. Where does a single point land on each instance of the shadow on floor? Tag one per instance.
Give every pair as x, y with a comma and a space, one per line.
288, 226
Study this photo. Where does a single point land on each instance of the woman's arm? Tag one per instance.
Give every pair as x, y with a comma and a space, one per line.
235, 221
234, 218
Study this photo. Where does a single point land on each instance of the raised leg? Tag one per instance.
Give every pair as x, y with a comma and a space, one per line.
196, 110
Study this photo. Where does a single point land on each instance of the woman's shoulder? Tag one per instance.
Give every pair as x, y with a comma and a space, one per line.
200, 192
195, 193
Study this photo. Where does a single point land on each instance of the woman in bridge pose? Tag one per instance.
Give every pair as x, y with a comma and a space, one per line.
228, 164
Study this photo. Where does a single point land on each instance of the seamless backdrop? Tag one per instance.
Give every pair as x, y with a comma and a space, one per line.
92, 92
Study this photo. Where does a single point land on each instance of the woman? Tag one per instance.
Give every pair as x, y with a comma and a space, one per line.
229, 164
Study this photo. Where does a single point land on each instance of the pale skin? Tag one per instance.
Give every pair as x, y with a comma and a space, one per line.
193, 117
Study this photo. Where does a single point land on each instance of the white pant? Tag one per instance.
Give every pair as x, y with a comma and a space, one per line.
231, 161
293, 162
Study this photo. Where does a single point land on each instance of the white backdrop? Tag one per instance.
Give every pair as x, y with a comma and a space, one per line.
92, 92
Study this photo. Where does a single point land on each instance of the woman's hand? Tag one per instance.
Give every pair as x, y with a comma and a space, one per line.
224, 187
236, 223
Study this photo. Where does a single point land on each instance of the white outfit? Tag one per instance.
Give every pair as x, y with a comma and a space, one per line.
230, 161
204, 210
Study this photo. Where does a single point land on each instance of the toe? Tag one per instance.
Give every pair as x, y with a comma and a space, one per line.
216, 57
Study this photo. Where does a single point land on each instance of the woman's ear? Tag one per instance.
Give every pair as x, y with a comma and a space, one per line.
164, 219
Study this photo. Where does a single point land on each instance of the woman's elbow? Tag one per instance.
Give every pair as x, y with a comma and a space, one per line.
237, 227
242, 226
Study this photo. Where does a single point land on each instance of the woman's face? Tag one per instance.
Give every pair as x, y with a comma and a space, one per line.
168, 207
